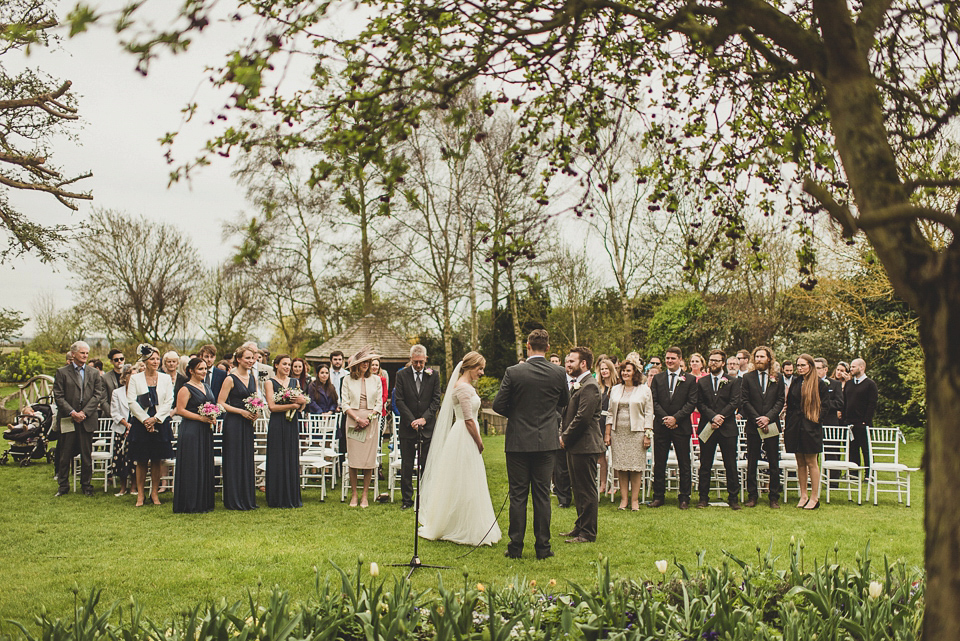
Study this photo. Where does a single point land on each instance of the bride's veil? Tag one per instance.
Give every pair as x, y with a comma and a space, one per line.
441, 430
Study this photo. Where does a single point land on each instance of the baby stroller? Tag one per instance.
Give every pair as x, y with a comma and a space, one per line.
29, 436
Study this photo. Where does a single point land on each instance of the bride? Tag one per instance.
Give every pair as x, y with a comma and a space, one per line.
454, 499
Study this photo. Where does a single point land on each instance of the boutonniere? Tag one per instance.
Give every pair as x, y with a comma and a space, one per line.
722, 382
773, 379
576, 386
682, 379
428, 371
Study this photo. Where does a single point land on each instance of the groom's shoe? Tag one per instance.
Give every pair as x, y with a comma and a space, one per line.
656, 503
406, 506
571, 533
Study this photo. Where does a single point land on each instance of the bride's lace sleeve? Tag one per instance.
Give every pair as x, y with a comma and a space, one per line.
463, 394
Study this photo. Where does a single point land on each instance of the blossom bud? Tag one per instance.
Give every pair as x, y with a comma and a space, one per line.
875, 590
661, 566
374, 569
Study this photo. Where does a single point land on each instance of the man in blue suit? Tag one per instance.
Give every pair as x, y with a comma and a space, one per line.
215, 376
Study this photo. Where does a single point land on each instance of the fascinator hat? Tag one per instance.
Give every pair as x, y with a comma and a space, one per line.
145, 350
365, 353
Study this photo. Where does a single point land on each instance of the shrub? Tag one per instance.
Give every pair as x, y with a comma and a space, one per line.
487, 387
19, 366
736, 602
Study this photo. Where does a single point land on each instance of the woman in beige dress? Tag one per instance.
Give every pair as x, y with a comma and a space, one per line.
629, 429
361, 396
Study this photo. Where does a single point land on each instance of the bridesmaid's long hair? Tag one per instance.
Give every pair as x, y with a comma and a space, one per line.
810, 392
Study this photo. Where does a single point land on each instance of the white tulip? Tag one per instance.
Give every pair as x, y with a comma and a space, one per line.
661, 566
374, 569
876, 589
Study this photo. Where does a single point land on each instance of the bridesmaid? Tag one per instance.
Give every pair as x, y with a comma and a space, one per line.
283, 439
193, 481
239, 470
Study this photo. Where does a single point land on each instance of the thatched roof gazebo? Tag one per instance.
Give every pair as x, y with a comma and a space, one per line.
369, 330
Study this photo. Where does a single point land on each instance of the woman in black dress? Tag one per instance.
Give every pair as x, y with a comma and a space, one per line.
150, 398
239, 470
803, 434
283, 439
193, 484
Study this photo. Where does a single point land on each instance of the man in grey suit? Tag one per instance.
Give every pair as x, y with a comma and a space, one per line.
531, 395
77, 391
582, 441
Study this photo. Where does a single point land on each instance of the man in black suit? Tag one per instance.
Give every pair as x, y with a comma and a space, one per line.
834, 406
418, 397
674, 399
718, 397
531, 395
582, 441
77, 391
761, 399
860, 402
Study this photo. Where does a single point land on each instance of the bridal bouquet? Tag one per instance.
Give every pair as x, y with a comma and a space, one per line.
288, 396
210, 410
255, 404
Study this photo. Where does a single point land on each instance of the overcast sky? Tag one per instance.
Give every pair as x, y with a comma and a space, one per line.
122, 117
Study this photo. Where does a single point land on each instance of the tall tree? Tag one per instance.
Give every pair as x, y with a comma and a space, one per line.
35, 109
11, 323
138, 277
232, 306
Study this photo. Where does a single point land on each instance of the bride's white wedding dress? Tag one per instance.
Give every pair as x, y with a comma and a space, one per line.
454, 499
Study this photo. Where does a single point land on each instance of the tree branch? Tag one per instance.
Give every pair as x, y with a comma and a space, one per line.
840, 213
904, 213
68, 113
912, 185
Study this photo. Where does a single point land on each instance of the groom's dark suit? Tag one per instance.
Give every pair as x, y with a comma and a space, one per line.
583, 442
678, 403
531, 395
413, 404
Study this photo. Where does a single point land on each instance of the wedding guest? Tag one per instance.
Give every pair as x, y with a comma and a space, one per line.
77, 390
337, 371
384, 382
323, 397
283, 437
170, 366
362, 402
215, 375
761, 399
300, 371
808, 399
418, 397
717, 398
555, 359
674, 399
743, 358
860, 403
224, 366
150, 397
97, 364
652, 371
842, 374
121, 466
239, 469
629, 428
606, 378
194, 483
697, 371
733, 366
111, 379
833, 402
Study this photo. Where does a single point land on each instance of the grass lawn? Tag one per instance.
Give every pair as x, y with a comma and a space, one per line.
171, 562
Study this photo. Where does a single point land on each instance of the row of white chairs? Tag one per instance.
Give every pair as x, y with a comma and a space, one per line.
886, 472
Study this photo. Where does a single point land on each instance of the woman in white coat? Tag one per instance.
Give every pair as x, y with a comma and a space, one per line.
150, 397
629, 430
361, 396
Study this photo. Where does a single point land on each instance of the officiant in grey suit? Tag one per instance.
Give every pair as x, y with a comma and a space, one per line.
78, 389
531, 395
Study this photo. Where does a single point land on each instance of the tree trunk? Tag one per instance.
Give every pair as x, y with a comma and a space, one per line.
627, 318
447, 335
515, 314
472, 291
365, 255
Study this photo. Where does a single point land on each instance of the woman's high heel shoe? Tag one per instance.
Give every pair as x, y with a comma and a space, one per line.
815, 505
803, 504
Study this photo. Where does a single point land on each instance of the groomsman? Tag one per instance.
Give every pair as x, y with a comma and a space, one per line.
743, 358
860, 396
674, 399
761, 399
582, 442
717, 398
418, 397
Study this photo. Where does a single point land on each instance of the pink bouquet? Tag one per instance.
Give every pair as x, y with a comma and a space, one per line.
255, 404
210, 410
288, 396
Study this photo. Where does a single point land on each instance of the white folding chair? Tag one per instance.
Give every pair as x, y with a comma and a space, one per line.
836, 444
218, 453
170, 463
884, 454
318, 453
101, 454
260, 426
393, 458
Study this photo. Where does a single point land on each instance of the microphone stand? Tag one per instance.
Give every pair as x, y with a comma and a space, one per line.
415, 563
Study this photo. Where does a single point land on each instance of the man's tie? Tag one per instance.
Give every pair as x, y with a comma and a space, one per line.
208, 378
418, 382
763, 382
673, 382
714, 384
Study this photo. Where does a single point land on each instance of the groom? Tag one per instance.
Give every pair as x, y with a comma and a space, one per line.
531, 395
